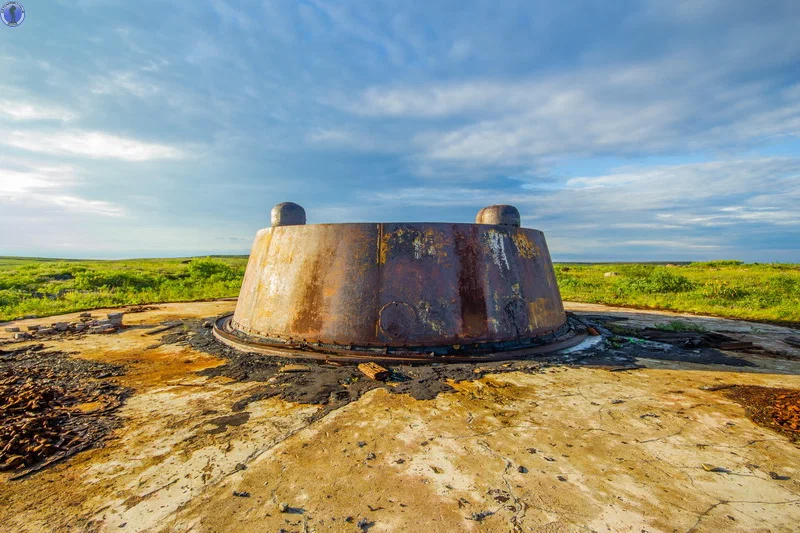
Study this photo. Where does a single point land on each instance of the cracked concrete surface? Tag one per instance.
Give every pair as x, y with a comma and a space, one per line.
561, 449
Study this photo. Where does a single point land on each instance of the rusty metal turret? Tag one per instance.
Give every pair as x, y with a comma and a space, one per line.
409, 291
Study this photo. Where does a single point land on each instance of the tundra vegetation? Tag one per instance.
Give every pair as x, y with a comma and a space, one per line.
43, 287
767, 292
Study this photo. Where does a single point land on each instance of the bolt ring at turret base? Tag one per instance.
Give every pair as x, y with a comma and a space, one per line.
563, 338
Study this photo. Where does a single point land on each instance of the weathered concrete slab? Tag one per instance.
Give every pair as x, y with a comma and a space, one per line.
564, 449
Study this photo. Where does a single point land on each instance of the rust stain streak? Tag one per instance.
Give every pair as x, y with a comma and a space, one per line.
470, 290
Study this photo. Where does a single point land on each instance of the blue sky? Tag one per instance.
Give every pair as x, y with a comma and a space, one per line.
647, 130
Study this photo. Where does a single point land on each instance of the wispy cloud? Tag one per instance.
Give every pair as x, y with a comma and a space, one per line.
625, 109
27, 179
93, 144
229, 13
675, 244
125, 82
640, 207
354, 140
51, 187
660, 188
19, 110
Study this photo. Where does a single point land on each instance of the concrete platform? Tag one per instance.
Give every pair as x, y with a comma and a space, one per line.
560, 449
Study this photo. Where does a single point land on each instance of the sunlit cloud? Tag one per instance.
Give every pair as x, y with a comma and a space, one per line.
21, 110
50, 188
97, 145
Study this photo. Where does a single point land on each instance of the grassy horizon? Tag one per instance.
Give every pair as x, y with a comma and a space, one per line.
43, 287
728, 288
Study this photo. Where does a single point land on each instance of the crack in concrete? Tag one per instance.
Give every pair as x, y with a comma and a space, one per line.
666, 436
520, 507
726, 502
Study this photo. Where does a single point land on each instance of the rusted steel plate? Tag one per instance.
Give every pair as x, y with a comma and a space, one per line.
399, 285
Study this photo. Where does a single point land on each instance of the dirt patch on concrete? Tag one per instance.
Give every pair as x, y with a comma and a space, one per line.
53, 406
773, 408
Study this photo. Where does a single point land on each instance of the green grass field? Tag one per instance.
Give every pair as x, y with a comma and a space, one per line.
43, 287
765, 292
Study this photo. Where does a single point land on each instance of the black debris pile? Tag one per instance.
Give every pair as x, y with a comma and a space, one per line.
696, 339
328, 382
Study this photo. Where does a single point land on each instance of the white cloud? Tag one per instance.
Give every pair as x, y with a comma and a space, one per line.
43, 188
436, 197
15, 182
592, 116
679, 186
682, 244
22, 110
676, 102
680, 208
125, 82
83, 205
93, 144
439, 100
354, 140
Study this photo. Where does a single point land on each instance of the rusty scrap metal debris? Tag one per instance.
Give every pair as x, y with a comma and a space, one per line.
775, 408
85, 324
374, 371
53, 406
